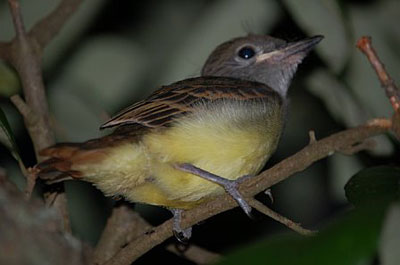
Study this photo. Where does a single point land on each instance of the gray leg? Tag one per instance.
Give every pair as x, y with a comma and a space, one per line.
183, 235
229, 185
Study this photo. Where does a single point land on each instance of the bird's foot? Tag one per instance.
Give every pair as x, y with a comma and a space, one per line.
231, 186
182, 235
268, 192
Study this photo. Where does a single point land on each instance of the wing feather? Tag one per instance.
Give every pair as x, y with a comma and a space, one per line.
180, 98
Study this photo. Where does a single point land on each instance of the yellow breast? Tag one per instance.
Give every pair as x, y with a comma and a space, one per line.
229, 140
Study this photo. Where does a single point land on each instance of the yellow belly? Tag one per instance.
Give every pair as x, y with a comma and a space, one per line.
229, 154
146, 173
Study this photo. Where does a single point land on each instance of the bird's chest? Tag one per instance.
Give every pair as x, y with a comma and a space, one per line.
227, 140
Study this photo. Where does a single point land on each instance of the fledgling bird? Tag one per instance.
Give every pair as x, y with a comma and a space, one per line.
190, 140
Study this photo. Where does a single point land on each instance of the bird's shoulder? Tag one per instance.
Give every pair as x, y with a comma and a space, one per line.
180, 98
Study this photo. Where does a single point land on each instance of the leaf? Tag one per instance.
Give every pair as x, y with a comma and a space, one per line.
7, 136
374, 185
350, 240
9, 82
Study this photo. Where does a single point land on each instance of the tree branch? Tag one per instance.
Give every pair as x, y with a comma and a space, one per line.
17, 18
24, 52
47, 28
125, 225
277, 217
393, 93
122, 227
26, 59
296, 163
31, 233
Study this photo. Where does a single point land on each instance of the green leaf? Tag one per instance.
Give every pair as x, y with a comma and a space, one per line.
374, 185
350, 240
7, 136
9, 82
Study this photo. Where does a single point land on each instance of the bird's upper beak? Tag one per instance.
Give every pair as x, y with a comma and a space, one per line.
293, 51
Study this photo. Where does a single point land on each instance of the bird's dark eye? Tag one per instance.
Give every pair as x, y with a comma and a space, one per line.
246, 52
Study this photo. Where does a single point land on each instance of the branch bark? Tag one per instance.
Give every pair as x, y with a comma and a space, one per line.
125, 225
277, 217
393, 93
26, 59
24, 52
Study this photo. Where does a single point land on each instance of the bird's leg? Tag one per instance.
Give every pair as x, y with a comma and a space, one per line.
183, 235
229, 185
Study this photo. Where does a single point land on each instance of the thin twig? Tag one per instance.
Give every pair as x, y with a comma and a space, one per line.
27, 113
396, 123
17, 18
47, 28
26, 59
122, 226
31, 120
24, 52
393, 93
368, 144
60, 203
296, 163
277, 217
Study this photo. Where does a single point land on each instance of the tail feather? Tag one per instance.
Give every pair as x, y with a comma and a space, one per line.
59, 165
63, 150
64, 158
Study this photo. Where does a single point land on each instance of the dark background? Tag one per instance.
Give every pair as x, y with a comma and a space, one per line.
113, 53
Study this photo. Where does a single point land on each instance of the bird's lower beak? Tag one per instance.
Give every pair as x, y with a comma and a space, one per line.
296, 50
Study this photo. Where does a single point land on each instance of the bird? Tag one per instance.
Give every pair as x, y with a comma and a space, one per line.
194, 139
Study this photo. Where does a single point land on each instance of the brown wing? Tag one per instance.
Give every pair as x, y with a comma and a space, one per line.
180, 98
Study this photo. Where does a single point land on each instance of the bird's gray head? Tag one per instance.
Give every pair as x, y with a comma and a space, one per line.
259, 58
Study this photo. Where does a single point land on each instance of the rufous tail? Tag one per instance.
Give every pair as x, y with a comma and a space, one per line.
59, 165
